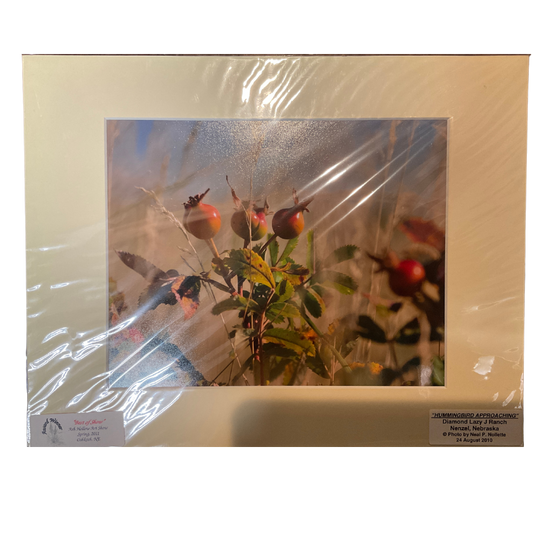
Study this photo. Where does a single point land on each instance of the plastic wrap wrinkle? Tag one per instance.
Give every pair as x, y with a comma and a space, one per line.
268, 229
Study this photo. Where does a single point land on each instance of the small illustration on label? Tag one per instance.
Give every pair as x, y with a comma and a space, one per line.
53, 430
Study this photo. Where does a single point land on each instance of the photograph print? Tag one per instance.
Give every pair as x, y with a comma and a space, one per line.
276, 252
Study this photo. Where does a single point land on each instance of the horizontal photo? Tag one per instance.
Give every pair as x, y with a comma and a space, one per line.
276, 252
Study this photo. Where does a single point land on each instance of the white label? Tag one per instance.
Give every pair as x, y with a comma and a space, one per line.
476, 428
83, 429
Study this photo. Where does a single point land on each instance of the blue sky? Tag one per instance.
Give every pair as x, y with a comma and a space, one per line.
144, 128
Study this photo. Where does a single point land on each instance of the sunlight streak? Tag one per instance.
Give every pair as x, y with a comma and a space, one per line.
333, 167
362, 201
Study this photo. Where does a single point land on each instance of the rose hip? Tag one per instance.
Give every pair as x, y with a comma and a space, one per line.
201, 220
288, 223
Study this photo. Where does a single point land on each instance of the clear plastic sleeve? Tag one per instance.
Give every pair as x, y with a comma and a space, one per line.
275, 250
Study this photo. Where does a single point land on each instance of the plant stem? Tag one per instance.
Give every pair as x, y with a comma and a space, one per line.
335, 352
262, 324
259, 358
213, 249
268, 242
221, 265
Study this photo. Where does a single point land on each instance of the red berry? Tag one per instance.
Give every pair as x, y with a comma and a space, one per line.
201, 220
406, 278
262, 229
248, 219
288, 223
241, 226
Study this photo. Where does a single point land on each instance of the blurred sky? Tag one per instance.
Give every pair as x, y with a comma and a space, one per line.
182, 157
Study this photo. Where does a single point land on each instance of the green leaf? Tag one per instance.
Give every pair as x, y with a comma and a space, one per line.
281, 309
343, 253
229, 304
290, 372
272, 349
340, 282
310, 257
437, 375
408, 334
291, 244
217, 285
290, 340
319, 289
284, 291
295, 273
278, 366
218, 268
250, 266
273, 249
313, 302
278, 357
369, 329
316, 364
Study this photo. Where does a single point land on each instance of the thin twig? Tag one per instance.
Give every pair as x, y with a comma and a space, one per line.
187, 264
172, 218
268, 242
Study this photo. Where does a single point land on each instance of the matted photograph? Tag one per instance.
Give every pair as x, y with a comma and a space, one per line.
276, 252
357, 249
